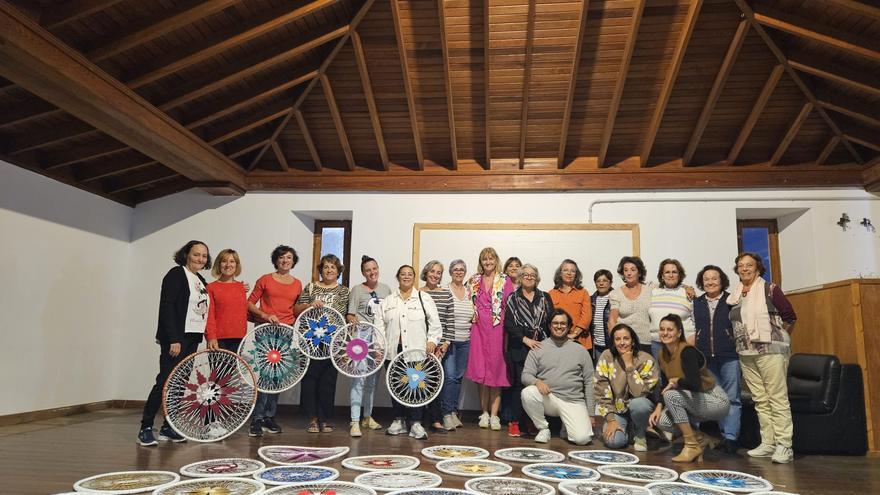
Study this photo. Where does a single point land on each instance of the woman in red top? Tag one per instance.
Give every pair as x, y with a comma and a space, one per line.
276, 292
227, 313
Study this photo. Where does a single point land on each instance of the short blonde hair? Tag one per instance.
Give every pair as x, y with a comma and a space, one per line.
490, 252
215, 268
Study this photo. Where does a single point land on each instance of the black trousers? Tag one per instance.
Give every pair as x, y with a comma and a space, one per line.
167, 363
511, 402
230, 345
318, 392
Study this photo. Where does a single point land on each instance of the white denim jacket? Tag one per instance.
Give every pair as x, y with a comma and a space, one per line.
402, 321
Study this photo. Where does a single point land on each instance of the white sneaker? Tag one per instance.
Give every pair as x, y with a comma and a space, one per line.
484, 420
354, 429
398, 427
640, 444
763, 450
417, 431
449, 422
495, 423
783, 455
543, 436
457, 420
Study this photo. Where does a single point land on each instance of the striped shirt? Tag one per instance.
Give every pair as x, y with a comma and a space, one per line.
463, 314
665, 301
443, 300
599, 321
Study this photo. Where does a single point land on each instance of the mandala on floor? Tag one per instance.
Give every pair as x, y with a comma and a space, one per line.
731, 481
322, 488
222, 467
431, 491
292, 455
443, 452
508, 486
600, 488
213, 486
389, 481
638, 473
285, 475
380, 462
555, 472
529, 455
473, 468
677, 488
603, 456
126, 482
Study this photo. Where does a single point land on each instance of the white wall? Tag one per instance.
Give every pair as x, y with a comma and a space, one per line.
62, 298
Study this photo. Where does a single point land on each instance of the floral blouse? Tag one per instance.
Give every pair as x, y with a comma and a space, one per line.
615, 386
497, 294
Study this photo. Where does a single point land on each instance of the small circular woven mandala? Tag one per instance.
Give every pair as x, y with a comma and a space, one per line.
291, 455
603, 457
731, 481
431, 491
285, 475
555, 472
474, 468
222, 467
600, 488
380, 462
389, 481
676, 488
529, 455
638, 473
508, 486
322, 488
443, 452
126, 482
212, 486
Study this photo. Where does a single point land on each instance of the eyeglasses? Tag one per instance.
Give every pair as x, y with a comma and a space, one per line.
528, 275
559, 323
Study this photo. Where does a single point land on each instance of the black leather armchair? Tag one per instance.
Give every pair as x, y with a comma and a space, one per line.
827, 407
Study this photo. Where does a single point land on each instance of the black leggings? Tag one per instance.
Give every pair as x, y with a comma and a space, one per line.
318, 392
167, 363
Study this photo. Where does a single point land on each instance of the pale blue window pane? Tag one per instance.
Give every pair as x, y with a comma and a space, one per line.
757, 240
333, 242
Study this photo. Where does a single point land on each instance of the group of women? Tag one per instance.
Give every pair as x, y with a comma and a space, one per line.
665, 359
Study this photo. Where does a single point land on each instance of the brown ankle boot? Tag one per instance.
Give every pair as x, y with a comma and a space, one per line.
692, 450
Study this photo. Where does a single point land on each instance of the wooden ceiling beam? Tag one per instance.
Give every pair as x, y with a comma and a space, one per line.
450, 111
572, 83
839, 75
791, 133
608, 129
247, 148
73, 10
407, 86
145, 177
97, 149
307, 137
826, 151
279, 156
814, 31
859, 7
755, 114
352, 27
220, 42
864, 118
51, 70
164, 189
871, 175
717, 86
749, 14
97, 171
337, 121
53, 135
248, 123
28, 112
364, 73
527, 77
246, 68
669, 83
864, 140
486, 85
167, 22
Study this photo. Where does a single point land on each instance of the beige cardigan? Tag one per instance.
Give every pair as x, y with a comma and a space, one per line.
614, 386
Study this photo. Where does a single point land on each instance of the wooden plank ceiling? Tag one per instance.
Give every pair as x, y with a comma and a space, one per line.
136, 100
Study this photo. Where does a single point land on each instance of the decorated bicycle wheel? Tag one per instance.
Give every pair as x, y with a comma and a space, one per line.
638, 473
222, 467
389, 481
126, 482
322, 488
431, 491
600, 488
226, 486
555, 472
381, 462
508, 486
272, 351
474, 468
731, 481
414, 377
292, 455
357, 350
285, 475
603, 457
316, 327
676, 488
207, 396
444, 452
529, 455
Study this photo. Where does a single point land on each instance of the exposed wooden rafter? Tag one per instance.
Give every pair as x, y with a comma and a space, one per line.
307, 137
53, 135
866, 141
791, 133
279, 155
337, 121
450, 110
91, 151
364, 73
486, 85
247, 123
45, 66
527, 76
101, 170
839, 75
220, 42
407, 86
575, 68
860, 7
73, 10
608, 129
826, 151
146, 177
755, 114
849, 112
669, 83
749, 14
717, 86
28, 112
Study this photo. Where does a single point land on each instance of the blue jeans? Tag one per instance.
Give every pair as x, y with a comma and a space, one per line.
362, 390
454, 365
266, 406
729, 374
639, 410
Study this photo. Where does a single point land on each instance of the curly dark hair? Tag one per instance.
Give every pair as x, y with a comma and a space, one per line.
670, 261
632, 335
759, 262
559, 311
639, 264
181, 254
578, 282
333, 260
281, 250
725, 282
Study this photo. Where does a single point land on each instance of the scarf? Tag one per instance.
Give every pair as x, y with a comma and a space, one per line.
755, 315
529, 316
497, 294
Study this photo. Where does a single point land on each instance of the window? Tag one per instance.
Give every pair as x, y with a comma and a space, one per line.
332, 237
762, 237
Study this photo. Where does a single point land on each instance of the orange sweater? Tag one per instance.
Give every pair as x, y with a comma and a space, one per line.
276, 298
227, 313
577, 304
